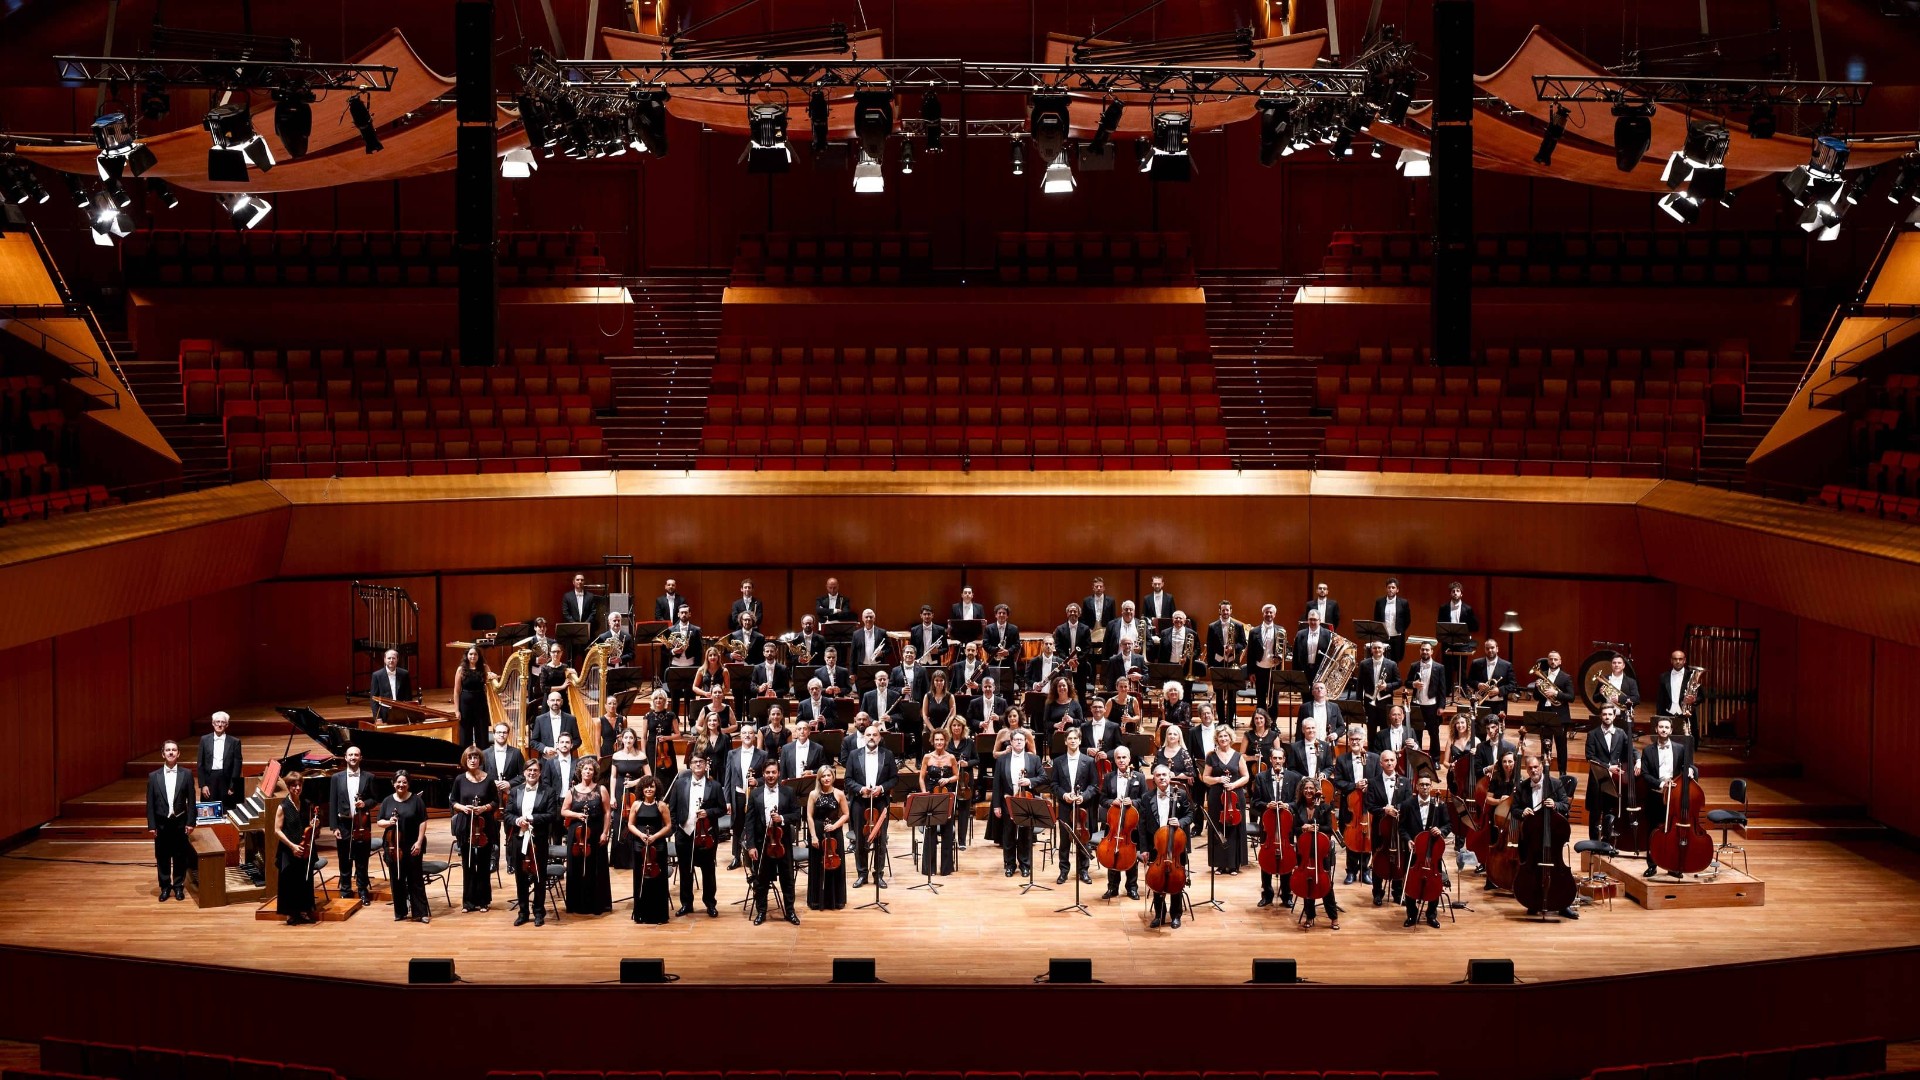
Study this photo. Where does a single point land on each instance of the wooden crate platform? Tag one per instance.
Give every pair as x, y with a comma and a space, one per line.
1730, 888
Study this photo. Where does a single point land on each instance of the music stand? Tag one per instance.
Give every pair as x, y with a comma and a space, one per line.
1162, 674
863, 676
1291, 681
757, 708
961, 631
930, 811
1456, 641
1233, 677
1370, 630
839, 633
1034, 813
1034, 704
1139, 744
1352, 711
831, 740
573, 635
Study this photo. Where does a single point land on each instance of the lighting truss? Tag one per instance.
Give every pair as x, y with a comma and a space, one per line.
1700, 93
186, 73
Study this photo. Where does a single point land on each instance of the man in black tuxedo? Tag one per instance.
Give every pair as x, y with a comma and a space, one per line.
816, 708
349, 792
881, 701
1609, 760
1493, 671
1670, 690
749, 642
1627, 689
1424, 813
808, 641
1493, 745
1042, 669
1394, 612
1001, 639
170, 816
1100, 733
1311, 646
1358, 770
987, 704
666, 607
1456, 609
1427, 678
834, 606
1097, 610
927, 637
1538, 793
1226, 648
1276, 785
870, 776
801, 756
1324, 605
391, 681
1074, 639
1177, 644
870, 645
748, 604
968, 607
1553, 712
220, 768
1123, 786
1376, 681
1386, 799
835, 681
742, 773
769, 676
503, 764
1016, 773
619, 638
1158, 603
1266, 651
1164, 805
769, 805
912, 678
532, 809
1325, 714
1664, 762
543, 740
579, 605
695, 795
1310, 755
1127, 663
1075, 783
561, 769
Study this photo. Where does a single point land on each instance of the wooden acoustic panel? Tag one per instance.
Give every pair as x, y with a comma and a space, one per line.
26, 729
1896, 738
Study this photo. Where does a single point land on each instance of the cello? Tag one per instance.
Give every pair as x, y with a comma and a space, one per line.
1167, 874
1276, 853
1426, 870
1116, 850
1546, 882
1313, 855
1357, 834
1389, 853
1681, 845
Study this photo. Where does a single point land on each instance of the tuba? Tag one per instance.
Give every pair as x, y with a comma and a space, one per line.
1342, 661
1691, 690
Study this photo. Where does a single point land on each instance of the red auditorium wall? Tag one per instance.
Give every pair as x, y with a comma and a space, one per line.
26, 726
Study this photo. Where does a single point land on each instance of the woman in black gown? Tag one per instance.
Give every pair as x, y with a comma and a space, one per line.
550, 674
1063, 709
936, 709
649, 825
939, 772
1173, 754
474, 796
960, 744
470, 698
1226, 770
1262, 740
627, 767
291, 822
828, 812
775, 734
589, 886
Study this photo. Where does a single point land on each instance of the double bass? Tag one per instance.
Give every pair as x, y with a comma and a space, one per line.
1543, 881
1681, 845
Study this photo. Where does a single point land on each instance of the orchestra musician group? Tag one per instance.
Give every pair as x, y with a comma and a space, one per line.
1364, 779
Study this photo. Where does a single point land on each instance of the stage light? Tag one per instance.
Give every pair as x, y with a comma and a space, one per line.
1490, 973
76, 191
163, 194
1073, 971
1760, 122
155, 102
293, 118
107, 216
1110, 115
22, 186
1276, 115
767, 150
1632, 134
518, 163
906, 157
1019, 158
1819, 186
1907, 181
120, 148
1167, 155
817, 120
1556, 127
431, 970
849, 969
1696, 174
235, 144
246, 210
362, 115
1401, 97
638, 971
535, 121
1049, 124
872, 124
930, 116
1414, 163
647, 122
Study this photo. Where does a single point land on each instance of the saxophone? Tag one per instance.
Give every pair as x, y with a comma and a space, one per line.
1342, 661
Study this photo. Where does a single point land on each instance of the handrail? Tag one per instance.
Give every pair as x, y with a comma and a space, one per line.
64, 353
1879, 343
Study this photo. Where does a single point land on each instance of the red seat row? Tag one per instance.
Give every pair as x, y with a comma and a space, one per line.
373, 414
1105, 409
887, 440
1821, 1061
850, 1074
208, 393
292, 257
1520, 413
207, 353
1875, 503
1589, 258
251, 454
63, 501
1001, 379
1676, 452
880, 258
1489, 467
944, 357
324, 470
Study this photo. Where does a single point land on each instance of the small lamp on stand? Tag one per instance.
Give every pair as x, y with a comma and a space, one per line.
1511, 627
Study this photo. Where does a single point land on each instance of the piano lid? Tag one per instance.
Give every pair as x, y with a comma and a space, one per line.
382, 749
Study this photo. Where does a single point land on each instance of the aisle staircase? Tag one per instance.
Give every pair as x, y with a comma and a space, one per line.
1266, 392
660, 390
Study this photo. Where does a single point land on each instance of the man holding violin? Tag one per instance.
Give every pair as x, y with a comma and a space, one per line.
1075, 780
1123, 787
694, 799
1358, 771
349, 794
871, 772
1165, 807
772, 814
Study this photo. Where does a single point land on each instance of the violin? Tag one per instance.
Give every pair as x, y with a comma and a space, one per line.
578, 844
1545, 883
1168, 872
651, 865
1681, 845
1358, 834
529, 853
663, 752
1276, 854
1230, 812
1313, 855
362, 825
1082, 833
390, 844
702, 830
477, 830
1117, 850
1426, 871
776, 844
830, 858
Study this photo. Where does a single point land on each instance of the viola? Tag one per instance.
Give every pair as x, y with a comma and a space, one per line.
1230, 812
578, 843
390, 844
1082, 833
1117, 850
1276, 854
362, 826
651, 865
529, 851
830, 858
702, 832
1358, 833
776, 845
1426, 872
1543, 882
477, 830
1168, 873
1313, 856
663, 752
1681, 845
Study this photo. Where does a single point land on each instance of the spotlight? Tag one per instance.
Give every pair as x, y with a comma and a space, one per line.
534, 118
163, 194
817, 118
1760, 123
767, 150
1414, 163
930, 116
1696, 173
1907, 180
76, 191
1110, 115
518, 163
1819, 186
22, 186
155, 102
246, 210
1632, 134
293, 118
120, 148
1401, 97
235, 144
107, 216
906, 157
1167, 157
362, 115
872, 124
121, 200
1050, 126
1556, 127
1275, 116
647, 122
1019, 158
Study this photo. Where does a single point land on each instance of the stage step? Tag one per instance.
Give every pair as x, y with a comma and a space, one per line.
95, 830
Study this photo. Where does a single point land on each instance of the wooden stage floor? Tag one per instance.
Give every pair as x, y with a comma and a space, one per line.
1822, 897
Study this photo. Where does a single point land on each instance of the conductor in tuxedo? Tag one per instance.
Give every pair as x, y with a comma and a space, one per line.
531, 807
1393, 611
219, 768
170, 814
577, 604
1016, 774
695, 794
769, 805
870, 775
392, 682
544, 739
